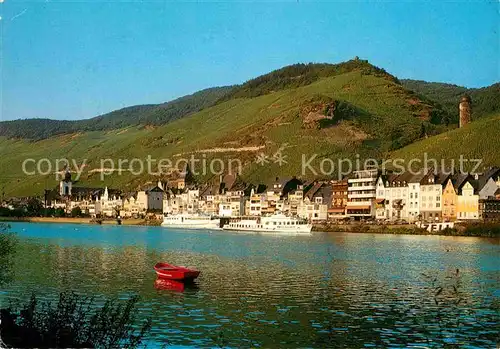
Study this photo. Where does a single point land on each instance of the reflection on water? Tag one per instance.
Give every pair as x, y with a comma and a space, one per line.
176, 286
336, 290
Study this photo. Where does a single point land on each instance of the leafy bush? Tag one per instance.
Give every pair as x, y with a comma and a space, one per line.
74, 322
76, 212
483, 229
59, 212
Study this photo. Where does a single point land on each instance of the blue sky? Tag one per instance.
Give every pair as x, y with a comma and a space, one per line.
78, 59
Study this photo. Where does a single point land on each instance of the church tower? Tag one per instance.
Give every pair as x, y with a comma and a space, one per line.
465, 108
66, 185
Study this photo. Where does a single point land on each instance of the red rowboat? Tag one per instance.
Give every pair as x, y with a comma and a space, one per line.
172, 272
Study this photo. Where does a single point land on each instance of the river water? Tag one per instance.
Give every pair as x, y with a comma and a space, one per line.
328, 290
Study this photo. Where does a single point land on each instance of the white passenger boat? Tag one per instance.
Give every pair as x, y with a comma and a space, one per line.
274, 224
191, 221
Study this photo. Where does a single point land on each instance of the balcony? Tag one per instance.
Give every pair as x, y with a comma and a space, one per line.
359, 203
363, 187
362, 196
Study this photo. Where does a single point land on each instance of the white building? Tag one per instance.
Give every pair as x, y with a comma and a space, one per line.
133, 207
184, 202
317, 200
393, 193
255, 203
232, 205
108, 204
431, 196
414, 198
361, 194
294, 199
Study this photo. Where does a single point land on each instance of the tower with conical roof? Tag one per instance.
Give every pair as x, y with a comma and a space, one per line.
465, 108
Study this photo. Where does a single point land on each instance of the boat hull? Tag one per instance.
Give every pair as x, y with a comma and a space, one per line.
211, 226
172, 272
267, 231
190, 223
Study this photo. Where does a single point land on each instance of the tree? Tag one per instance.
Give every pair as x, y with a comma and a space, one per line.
48, 212
76, 212
423, 132
34, 207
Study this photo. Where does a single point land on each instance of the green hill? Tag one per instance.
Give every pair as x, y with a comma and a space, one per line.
478, 140
159, 114
322, 110
360, 110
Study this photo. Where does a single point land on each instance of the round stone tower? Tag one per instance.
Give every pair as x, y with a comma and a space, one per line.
465, 108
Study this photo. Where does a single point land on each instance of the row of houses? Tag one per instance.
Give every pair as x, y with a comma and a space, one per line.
439, 196
364, 195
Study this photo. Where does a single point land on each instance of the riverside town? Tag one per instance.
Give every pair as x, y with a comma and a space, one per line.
430, 200
243, 174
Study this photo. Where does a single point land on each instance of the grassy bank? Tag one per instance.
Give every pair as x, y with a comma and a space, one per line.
473, 229
74, 220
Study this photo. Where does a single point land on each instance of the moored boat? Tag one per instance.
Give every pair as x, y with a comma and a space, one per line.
190, 221
173, 272
274, 224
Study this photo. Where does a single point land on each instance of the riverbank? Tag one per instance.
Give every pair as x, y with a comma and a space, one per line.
74, 220
471, 229
490, 230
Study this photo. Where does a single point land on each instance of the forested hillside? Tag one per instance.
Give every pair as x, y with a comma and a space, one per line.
485, 101
152, 114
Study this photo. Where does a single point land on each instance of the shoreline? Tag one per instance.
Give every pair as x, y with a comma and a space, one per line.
74, 220
487, 230
471, 230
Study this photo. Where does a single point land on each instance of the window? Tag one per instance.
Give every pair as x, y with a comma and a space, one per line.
411, 195
438, 204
